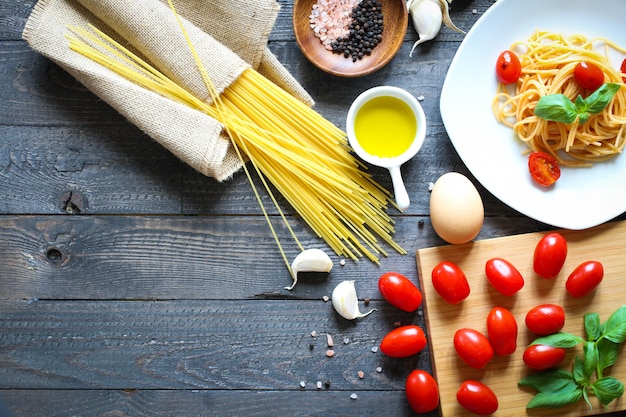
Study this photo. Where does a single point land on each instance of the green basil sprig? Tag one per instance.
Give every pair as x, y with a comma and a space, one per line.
558, 388
559, 108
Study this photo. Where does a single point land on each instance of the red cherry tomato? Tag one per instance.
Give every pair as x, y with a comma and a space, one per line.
508, 67
623, 69
584, 278
502, 331
545, 319
550, 254
403, 341
503, 276
422, 391
541, 357
544, 168
477, 398
399, 291
588, 75
450, 282
473, 347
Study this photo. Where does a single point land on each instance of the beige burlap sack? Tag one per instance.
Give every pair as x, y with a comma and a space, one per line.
229, 37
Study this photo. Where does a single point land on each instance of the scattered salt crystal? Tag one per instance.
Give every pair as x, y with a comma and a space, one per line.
420, 98
346, 340
374, 349
474, 11
319, 385
354, 396
313, 333
431, 186
379, 369
342, 262
325, 298
302, 384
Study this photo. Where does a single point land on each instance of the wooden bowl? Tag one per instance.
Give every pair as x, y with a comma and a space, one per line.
395, 22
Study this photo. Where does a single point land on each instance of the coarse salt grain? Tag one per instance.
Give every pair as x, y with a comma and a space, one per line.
330, 19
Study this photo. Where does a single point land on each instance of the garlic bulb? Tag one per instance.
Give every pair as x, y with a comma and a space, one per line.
346, 302
428, 15
310, 260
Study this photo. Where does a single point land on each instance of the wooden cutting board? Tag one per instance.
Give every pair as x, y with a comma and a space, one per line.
606, 243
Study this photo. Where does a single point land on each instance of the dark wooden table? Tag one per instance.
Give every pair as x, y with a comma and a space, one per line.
130, 285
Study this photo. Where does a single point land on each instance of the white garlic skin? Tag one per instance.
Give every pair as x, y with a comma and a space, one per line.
310, 260
346, 302
428, 16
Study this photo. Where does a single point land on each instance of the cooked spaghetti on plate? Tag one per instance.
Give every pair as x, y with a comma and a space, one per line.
548, 61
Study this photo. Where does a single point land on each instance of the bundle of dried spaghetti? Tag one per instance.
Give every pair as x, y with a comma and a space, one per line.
148, 29
548, 61
303, 155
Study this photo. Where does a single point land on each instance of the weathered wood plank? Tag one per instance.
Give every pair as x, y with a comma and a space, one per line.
206, 403
218, 345
215, 257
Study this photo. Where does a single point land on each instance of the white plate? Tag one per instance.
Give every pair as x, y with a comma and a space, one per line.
582, 197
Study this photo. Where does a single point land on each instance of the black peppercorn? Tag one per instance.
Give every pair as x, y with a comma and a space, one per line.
365, 31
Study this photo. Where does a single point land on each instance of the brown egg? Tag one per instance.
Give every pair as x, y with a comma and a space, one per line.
456, 209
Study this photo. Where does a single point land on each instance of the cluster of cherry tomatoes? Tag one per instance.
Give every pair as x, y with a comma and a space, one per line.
473, 347
477, 349
422, 391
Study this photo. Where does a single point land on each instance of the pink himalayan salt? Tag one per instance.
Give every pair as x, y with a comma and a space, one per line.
330, 19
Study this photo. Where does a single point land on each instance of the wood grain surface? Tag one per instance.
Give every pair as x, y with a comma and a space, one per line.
131, 285
603, 244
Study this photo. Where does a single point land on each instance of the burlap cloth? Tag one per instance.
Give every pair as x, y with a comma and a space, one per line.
230, 36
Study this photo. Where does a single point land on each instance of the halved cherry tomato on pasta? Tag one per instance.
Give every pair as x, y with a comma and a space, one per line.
477, 398
450, 282
588, 75
503, 276
584, 278
541, 357
399, 291
508, 67
545, 319
403, 341
623, 69
422, 391
544, 168
550, 254
502, 331
473, 347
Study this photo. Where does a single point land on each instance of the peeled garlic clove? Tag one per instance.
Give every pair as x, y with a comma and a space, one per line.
346, 302
428, 16
310, 260
427, 19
